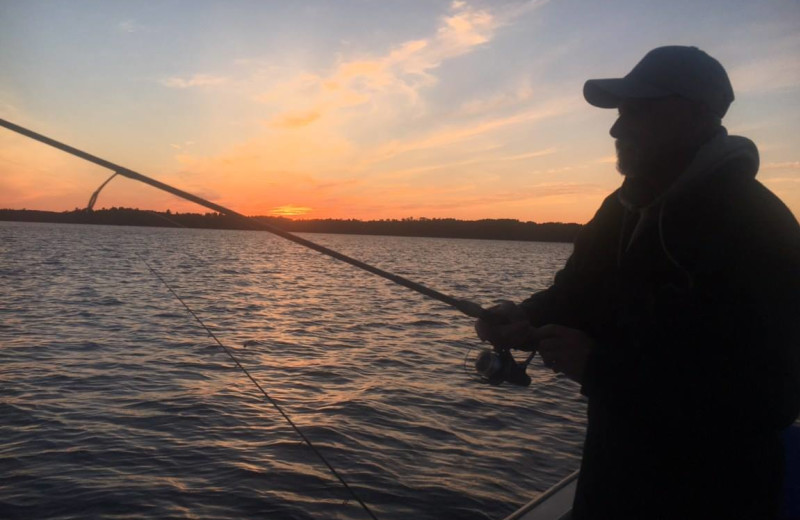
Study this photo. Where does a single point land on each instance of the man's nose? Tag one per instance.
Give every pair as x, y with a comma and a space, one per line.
615, 129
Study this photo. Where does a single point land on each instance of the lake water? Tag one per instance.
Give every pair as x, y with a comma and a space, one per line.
115, 403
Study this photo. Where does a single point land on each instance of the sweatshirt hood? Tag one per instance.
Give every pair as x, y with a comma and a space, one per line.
737, 154
722, 157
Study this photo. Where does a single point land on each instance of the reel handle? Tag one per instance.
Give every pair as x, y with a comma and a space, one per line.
498, 365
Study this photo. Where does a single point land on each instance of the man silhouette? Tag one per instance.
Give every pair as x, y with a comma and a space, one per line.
678, 310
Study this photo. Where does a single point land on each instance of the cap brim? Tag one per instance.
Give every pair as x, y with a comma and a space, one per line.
609, 93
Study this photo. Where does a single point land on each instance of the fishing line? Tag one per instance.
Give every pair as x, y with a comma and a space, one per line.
211, 334
235, 360
93, 198
261, 389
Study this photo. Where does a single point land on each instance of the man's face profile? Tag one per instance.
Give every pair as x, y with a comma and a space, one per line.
651, 134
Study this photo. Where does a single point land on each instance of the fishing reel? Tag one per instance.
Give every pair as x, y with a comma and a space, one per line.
498, 365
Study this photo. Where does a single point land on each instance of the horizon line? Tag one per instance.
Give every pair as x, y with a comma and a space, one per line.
283, 217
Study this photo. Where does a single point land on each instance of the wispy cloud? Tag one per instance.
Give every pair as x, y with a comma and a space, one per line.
492, 158
782, 180
296, 119
456, 134
444, 200
197, 80
509, 98
790, 165
775, 67
528, 155
316, 151
774, 73
608, 159
395, 77
130, 27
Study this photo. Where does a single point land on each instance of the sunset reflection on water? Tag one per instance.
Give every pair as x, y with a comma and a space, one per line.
111, 389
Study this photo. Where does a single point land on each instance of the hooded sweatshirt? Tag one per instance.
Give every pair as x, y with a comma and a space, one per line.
693, 302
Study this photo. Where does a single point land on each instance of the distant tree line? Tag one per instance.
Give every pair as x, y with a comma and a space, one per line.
490, 229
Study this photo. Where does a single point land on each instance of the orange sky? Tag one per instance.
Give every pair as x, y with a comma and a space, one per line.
464, 109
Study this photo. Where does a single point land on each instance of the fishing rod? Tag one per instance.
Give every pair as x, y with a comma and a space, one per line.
465, 306
495, 365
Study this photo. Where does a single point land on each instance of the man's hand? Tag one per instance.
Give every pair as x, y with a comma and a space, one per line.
507, 327
564, 350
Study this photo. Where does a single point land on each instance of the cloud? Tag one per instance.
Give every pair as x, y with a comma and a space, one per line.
198, 80
790, 165
510, 98
464, 29
393, 79
782, 180
467, 200
347, 140
296, 120
274, 168
528, 155
774, 67
460, 164
455, 134
608, 159
775, 73
131, 27
181, 146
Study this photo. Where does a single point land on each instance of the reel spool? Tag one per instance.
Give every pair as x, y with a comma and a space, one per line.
496, 366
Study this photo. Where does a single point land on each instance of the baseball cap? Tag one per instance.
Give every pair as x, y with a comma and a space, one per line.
667, 71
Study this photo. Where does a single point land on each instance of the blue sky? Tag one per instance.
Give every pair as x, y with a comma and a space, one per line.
365, 109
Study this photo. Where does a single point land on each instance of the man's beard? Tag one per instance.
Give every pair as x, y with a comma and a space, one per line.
648, 171
638, 169
630, 161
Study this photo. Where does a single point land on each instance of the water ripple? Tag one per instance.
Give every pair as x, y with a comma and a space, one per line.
116, 404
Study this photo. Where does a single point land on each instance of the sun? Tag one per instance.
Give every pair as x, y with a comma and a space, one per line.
289, 211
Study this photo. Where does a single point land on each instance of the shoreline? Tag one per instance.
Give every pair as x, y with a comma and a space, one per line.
485, 229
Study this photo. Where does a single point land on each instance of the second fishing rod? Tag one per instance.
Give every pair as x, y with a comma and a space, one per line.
495, 365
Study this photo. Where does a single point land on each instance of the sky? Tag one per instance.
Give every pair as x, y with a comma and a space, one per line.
366, 109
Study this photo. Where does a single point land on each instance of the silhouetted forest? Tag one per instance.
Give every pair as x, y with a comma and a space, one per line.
491, 229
